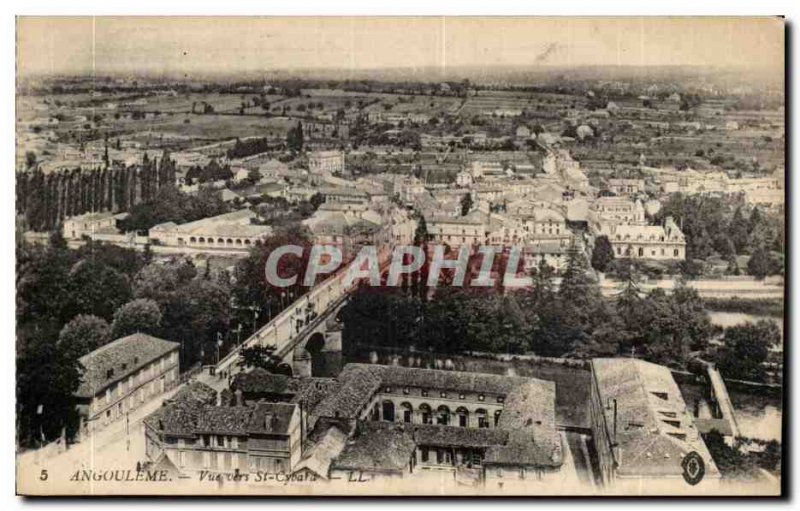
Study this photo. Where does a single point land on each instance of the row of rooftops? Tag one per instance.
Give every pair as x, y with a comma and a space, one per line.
525, 433
654, 430
196, 412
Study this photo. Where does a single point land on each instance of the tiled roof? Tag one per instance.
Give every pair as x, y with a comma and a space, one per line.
342, 191
336, 222
529, 417
178, 418
124, 356
261, 381
272, 418
313, 391
444, 380
547, 214
654, 428
306, 390
197, 392
454, 436
358, 383
474, 218
235, 223
546, 247
578, 210
320, 456
644, 232
380, 447
224, 420
91, 217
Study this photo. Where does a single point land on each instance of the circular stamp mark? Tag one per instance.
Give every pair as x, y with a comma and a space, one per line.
693, 468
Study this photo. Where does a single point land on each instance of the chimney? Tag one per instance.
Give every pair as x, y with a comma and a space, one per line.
238, 397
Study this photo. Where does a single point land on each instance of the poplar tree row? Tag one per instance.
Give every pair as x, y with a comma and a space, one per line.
46, 199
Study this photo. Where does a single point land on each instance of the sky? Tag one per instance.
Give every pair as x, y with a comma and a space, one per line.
224, 45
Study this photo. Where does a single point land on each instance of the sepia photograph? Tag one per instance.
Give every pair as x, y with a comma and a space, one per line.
444, 256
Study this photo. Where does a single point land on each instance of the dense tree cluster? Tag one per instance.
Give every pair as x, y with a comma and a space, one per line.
172, 205
690, 101
65, 300
83, 334
211, 172
45, 200
603, 253
252, 288
566, 318
745, 348
262, 357
725, 227
70, 302
278, 210
294, 138
249, 147
466, 204
195, 306
137, 316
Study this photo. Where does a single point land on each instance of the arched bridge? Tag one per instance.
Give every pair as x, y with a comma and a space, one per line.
308, 325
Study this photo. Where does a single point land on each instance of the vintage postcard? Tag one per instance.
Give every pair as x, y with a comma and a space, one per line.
437, 256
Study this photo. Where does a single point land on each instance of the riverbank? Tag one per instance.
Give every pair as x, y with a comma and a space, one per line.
725, 288
753, 306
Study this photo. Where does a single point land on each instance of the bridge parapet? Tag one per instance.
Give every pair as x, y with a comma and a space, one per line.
290, 326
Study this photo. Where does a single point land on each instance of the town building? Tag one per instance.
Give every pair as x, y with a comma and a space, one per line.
326, 162
554, 253
196, 432
276, 169
626, 186
343, 194
226, 232
691, 181
347, 228
456, 231
471, 424
642, 430
505, 231
89, 224
559, 163
657, 242
351, 226
543, 222
464, 179
522, 132
619, 210
326, 129
122, 376
299, 193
